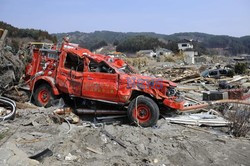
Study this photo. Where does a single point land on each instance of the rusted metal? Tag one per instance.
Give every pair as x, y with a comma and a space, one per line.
99, 112
77, 72
115, 85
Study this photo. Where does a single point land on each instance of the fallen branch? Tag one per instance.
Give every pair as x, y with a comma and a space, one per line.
113, 138
93, 150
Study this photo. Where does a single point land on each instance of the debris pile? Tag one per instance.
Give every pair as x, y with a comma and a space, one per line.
11, 67
175, 74
239, 116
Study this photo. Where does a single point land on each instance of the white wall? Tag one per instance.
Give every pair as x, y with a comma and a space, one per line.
181, 47
159, 53
148, 54
189, 57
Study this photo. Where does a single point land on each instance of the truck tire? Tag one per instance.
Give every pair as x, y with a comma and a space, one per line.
147, 113
43, 96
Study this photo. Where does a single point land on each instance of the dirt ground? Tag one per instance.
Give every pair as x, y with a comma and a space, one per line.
165, 144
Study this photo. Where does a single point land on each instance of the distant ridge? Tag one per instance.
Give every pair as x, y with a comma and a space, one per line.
232, 45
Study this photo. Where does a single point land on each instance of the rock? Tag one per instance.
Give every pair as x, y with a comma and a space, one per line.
104, 138
70, 157
22, 161
16, 150
141, 148
27, 137
10, 154
5, 154
156, 161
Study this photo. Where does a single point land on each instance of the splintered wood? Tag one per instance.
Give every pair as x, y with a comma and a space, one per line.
177, 74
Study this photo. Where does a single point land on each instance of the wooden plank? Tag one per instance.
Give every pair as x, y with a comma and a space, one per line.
93, 150
191, 80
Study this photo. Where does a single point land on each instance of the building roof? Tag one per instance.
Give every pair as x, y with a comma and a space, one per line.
164, 49
184, 41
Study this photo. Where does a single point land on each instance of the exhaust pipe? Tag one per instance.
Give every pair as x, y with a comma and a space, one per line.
100, 112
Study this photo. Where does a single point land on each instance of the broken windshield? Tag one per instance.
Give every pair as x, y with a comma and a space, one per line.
127, 69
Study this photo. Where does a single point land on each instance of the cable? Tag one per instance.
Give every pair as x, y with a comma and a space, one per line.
66, 121
12, 104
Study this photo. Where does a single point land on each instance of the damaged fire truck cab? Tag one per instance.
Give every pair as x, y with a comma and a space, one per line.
80, 73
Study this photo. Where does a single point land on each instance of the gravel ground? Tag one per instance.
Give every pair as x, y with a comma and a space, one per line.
166, 144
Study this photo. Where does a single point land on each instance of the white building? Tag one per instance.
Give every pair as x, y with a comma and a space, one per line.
148, 53
189, 57
163, 51
185, 44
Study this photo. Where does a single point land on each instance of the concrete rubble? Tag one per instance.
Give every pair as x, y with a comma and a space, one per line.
199, 119
166, 144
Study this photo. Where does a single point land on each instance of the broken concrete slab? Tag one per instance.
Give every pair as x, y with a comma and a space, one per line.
10, 154
200, 119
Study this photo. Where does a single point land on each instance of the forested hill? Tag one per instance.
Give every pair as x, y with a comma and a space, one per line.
34, 34
18, 37
206, 43
132, 42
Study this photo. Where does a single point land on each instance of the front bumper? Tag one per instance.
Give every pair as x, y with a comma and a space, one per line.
174, 103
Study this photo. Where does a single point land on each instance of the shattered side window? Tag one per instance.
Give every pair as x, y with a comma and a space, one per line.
100, 67
74, 62
53, 56
127, 69
213, 73
93, 66
223, 72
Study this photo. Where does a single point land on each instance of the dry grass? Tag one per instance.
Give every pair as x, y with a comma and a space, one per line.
169, 59
138, 62
240, 118
141, 62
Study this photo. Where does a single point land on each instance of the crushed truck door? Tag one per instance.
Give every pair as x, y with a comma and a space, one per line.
70, 74
100, 82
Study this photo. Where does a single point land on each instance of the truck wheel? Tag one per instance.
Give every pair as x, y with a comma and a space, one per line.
43, 96
146, 114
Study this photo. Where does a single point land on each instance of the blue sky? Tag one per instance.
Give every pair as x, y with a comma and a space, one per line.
222, 17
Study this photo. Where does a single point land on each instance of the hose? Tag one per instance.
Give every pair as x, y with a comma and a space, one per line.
12, 104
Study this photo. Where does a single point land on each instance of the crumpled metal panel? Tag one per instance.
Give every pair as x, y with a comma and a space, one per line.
114, 87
